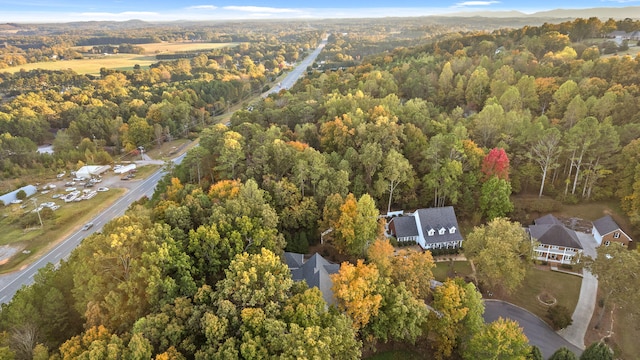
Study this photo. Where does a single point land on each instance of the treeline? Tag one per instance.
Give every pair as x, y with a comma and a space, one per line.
82, 116
196, 272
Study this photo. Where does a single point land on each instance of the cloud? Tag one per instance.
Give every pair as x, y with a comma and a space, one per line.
476, 3
202, 7
261, 9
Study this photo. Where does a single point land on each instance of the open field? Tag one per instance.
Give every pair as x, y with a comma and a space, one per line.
92, 65
67, 219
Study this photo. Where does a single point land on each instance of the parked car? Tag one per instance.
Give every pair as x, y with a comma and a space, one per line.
102, 189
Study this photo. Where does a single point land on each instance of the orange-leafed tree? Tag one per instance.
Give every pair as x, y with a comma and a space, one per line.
357, 291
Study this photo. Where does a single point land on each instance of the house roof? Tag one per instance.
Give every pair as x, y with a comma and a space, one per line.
549, 230
605, 225
547, 219
9, 197
314, 271
405, 226
437, 218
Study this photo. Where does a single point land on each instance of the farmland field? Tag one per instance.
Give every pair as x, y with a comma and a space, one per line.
92, 65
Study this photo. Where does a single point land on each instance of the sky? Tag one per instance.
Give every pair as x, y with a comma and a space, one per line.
48, 11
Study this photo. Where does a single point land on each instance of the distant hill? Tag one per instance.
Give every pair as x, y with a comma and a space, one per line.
632, 12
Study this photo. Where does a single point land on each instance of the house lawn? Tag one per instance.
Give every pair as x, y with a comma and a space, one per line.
449, 269
564, 287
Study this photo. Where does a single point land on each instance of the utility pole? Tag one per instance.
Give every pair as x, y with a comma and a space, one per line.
37, 211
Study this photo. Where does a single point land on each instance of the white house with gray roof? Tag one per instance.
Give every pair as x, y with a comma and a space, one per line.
556, 243
432, 228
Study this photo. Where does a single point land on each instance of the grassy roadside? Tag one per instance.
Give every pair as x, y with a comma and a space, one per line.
33, 243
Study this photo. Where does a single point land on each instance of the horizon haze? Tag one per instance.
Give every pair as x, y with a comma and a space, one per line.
61, 11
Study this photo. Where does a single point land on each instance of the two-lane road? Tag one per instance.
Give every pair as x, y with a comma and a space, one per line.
11, 283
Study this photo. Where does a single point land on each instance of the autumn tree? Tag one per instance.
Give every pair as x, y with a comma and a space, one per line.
357, 226
501, 339
503, 237
496, 163
357, 290
616, 267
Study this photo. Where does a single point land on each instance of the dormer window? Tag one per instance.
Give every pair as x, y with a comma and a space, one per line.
441, 231
452, 230
431, 232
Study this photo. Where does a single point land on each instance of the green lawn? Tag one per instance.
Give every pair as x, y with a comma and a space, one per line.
145, 171
68, 218
564, 287
447, 269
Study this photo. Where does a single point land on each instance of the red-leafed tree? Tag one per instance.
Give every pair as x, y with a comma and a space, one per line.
496, 163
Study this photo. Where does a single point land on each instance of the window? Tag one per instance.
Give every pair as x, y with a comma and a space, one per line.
607, 243
616, 235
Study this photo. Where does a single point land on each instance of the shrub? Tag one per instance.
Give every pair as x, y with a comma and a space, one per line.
559, 316
597, 351
563, 354
21, 195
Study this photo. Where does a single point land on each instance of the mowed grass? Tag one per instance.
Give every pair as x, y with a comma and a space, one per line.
447, 269
68, 218
92, 65
564, 287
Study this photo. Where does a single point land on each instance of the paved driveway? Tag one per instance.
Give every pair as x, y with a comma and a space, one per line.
587, 302
538, 332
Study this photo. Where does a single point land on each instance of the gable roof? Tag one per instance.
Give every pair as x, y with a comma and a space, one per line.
605, 225
314, 271
437, 218
549, 230
405, 226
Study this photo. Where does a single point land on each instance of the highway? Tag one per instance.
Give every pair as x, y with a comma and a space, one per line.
11, 283
298, 71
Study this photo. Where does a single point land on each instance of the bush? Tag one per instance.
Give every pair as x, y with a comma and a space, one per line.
597, 351
559, 316
567, 266
563, 354
21, 195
